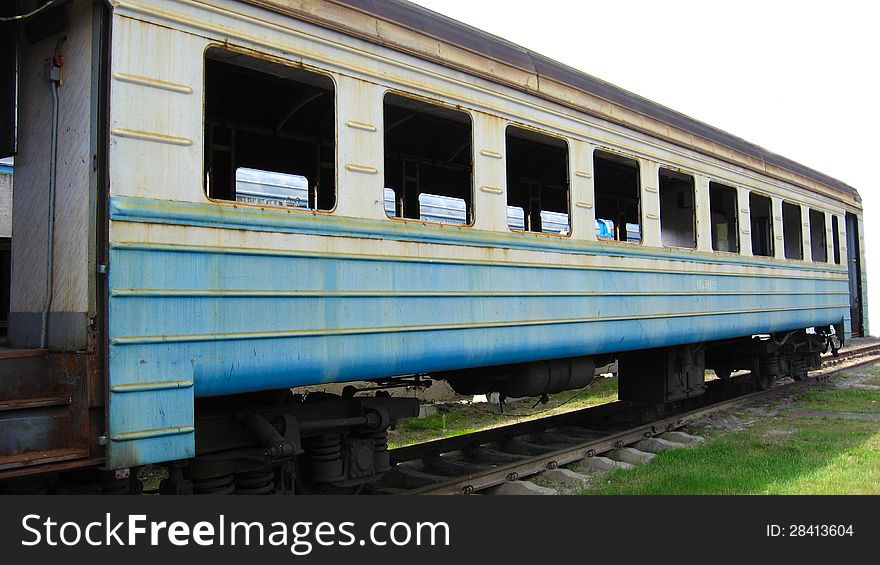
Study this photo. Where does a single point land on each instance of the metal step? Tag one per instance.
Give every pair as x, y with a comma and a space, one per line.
41, 457
42, 410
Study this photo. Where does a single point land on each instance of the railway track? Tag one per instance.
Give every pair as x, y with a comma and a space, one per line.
482, 460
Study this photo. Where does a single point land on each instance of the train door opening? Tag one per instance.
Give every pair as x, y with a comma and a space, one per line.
854, 264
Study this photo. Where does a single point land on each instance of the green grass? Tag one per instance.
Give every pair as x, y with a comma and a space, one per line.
781, 455
456, 419
842, 400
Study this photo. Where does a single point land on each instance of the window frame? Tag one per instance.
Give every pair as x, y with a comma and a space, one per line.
695, 221
772, 224
818, 212
800, 223
283, 62
472, 220
641, 192
736, 208
568, 160
836, 250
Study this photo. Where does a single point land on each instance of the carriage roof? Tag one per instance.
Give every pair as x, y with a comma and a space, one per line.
483, 54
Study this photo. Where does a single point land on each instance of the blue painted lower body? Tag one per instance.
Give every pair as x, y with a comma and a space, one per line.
238, 322
189, 322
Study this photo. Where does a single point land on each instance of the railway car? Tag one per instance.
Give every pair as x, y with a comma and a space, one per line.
219, 201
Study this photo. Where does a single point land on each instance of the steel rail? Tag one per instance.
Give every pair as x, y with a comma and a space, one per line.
445, 445
477, 481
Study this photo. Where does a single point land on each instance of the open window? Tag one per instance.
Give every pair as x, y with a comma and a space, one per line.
428, 162
617, 188
818, 239
835, 239
761, 210
792, 231
270, 133
723, 217
537, 182
677, 218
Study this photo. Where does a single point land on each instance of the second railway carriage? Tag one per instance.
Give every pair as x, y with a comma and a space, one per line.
250, 196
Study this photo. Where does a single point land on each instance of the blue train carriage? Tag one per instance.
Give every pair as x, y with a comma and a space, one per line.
246, 197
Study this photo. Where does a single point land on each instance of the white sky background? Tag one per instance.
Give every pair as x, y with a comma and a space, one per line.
801, 79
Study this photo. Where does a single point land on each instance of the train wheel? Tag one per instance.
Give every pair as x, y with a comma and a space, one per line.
761, 379
799, 368
723, 373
